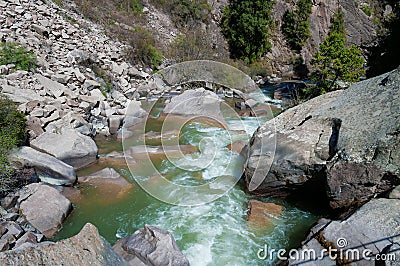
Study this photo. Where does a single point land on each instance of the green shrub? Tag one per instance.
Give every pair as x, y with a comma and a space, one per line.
136, 6
246, 25
185, 13
12, 133
12, 53
193, 45
295, 24
143, 49
367, 10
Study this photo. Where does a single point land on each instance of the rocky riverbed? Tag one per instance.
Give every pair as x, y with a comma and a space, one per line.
342, 145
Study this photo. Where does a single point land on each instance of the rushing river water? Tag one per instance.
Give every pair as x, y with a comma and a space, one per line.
216, 233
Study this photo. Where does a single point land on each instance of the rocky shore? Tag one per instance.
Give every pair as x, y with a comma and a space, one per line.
343, 145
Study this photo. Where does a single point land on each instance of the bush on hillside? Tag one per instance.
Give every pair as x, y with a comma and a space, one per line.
12, 53
12, 134
144, 48
246, 25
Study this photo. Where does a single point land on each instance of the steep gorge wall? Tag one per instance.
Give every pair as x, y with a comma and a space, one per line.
360, 30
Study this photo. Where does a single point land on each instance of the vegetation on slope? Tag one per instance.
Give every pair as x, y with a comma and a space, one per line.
335, 60
12, 133
296, 27
12, 53
246, 25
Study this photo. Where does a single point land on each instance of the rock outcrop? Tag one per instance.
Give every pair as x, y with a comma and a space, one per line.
361, 30
151, 246
48, 168
69, 146
86, 248
42, 206
358, 232
346, 141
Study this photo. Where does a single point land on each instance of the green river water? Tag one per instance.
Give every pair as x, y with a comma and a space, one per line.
216, 233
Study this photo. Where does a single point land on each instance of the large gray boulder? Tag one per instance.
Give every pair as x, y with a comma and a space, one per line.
42, 206
345, 141
374, 228
86, 248
151, 246
49, 169
198, 102
69, 146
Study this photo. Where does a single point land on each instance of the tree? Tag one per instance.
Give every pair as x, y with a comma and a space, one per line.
246, 25
295, 24
335, 60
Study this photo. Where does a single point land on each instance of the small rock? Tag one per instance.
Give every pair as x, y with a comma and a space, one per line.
91, 84
395, 194
79, 76
28, 237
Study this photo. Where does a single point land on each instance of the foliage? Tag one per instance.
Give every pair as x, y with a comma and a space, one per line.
144, 50
185, 13
335, 60
246, 25
193, 45
136, 6
367, 10
12, 133
59, 3
295, 24
12, 53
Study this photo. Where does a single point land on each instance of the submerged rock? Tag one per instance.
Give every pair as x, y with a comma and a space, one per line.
109, 182
86, 248
263, 214
151, 246
345, 141
69, 146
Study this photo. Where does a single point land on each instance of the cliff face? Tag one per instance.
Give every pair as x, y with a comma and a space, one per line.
360, 30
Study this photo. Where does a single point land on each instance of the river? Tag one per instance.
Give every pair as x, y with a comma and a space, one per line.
216, 233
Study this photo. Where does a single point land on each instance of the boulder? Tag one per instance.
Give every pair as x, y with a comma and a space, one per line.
45, 208
49, 169
54, 88
152, 246
19, 95
134, 115
86, 248
198, 102
358, 232
345, 141
69, 146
